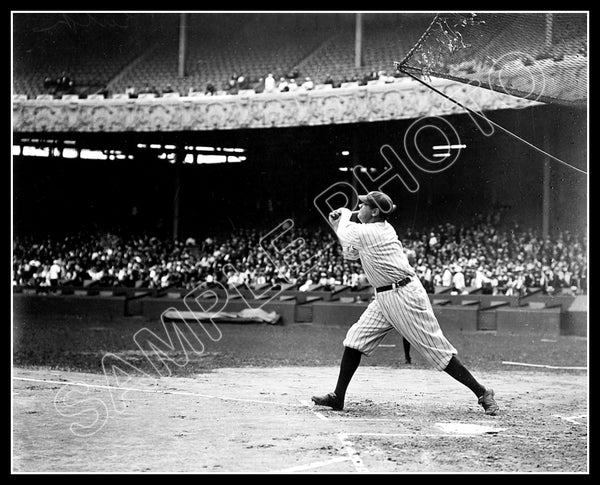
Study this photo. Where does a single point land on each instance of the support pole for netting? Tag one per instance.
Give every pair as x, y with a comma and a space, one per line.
182, 43
358, 42
479, 115
355, 162
548, 36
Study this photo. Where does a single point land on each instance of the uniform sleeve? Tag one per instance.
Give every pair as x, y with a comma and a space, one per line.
348, 232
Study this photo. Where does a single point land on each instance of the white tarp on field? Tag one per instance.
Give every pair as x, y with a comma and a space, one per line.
247, 315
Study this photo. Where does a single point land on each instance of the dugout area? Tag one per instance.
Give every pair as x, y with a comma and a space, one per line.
286, 169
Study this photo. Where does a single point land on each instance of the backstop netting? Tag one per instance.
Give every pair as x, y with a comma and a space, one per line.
538, 56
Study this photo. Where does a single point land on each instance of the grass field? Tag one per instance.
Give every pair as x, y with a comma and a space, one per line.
79, 343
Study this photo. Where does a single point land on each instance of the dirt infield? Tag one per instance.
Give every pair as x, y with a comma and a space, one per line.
260, 420
243, 404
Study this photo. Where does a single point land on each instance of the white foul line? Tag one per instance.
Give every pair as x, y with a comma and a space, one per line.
442, 435
418, 435
406, 420
310, 466
571, 419
154, 391
545, 366
356, 460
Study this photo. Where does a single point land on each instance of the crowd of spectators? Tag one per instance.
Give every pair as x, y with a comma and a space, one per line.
480, 256
279, 82
511, 261
274, 82
148, 262
62, 84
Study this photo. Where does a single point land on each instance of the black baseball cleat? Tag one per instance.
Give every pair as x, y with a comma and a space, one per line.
330, 400
488, 402
408, 361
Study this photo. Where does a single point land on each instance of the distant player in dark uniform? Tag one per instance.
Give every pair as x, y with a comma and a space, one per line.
406, 345
401, 303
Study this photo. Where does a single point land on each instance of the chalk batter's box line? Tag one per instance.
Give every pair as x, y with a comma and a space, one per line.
543, 366
342, 437
322, 417
313, 465
155, 391
350, 448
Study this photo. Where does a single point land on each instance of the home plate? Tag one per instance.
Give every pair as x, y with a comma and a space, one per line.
467, 428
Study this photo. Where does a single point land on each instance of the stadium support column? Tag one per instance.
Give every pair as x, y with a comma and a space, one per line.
546, 186
358, 42
182, 43
547, 137
176, 199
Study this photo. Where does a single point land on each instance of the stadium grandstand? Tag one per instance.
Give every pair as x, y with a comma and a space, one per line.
153, 51
313, 47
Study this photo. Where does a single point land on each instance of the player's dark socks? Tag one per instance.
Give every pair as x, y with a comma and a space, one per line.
348, 365
456, 369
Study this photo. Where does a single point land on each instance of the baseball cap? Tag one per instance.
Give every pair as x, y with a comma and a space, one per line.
380, 200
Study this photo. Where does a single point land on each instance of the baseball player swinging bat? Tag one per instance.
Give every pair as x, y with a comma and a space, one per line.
350, 253
401, 303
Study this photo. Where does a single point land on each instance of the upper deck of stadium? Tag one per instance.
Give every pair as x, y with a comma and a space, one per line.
107, 53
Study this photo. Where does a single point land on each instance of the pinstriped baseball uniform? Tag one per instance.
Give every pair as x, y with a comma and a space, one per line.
406, 309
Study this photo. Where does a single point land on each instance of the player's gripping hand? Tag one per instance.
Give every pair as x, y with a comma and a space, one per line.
350, 253
334, 215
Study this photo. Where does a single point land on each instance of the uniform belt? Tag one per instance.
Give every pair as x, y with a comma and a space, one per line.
393, 286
